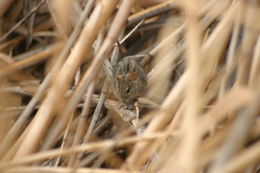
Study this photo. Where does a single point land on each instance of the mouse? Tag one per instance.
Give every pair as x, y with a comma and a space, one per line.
129, 81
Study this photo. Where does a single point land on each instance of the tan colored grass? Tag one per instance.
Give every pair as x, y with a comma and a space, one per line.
200, 110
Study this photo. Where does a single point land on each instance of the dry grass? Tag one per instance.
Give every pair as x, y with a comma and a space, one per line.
200, 111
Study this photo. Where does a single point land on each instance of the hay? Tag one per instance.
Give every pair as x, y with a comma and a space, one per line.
200, 110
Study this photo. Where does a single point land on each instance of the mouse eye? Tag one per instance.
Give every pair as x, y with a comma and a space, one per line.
128, 89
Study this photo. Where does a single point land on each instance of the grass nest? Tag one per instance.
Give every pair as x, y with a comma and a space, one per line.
200, 102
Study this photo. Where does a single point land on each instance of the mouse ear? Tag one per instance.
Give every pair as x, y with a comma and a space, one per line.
118, 77
132, 75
